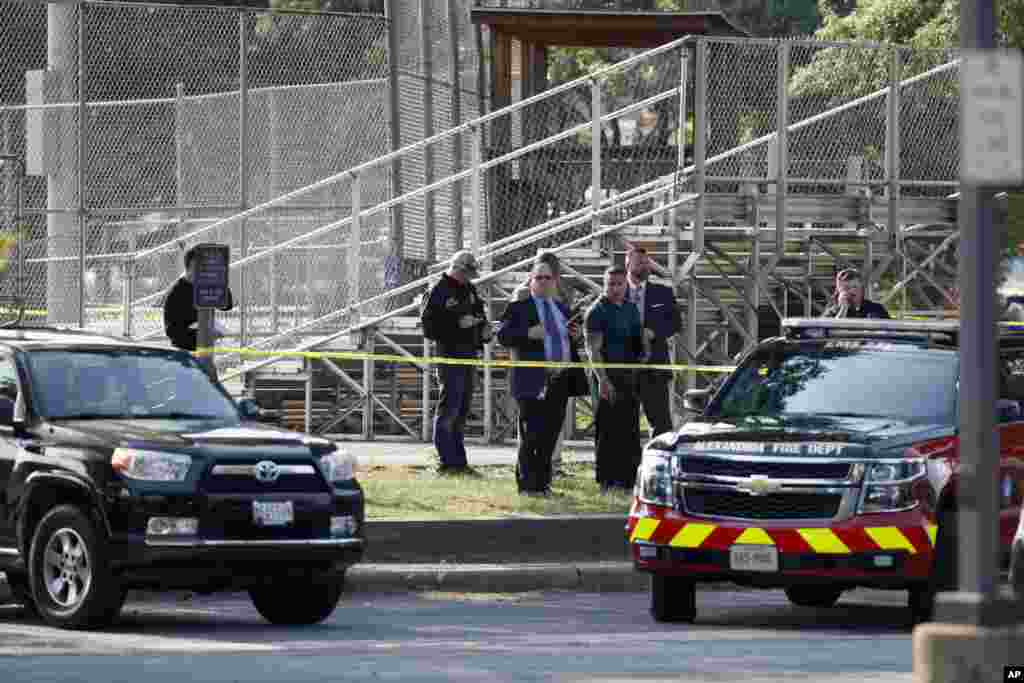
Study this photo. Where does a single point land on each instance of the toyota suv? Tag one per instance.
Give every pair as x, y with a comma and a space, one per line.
826, 461
125, 466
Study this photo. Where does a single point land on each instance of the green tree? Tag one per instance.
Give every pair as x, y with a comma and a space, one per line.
926, 25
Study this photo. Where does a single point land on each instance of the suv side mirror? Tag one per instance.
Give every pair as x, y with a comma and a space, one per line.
249, 409
696, 400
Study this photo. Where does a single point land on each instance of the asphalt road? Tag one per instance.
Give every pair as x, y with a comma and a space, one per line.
560, 636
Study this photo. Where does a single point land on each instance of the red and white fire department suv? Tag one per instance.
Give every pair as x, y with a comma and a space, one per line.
826, 461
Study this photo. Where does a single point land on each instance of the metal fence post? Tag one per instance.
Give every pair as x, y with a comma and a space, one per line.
595, 159
782, 150
426, 430
243, 173
354, 238
81, 160
699, 156
395, 124
892, 166
455, 76
476, 160
427, 74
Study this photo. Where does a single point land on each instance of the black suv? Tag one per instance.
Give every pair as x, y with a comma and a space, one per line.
124, 466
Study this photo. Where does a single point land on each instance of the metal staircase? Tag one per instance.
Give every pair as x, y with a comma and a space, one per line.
779, 191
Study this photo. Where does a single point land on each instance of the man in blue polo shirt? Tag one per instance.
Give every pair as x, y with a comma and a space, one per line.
614, 334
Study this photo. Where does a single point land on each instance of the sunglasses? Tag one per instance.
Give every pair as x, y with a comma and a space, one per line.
543, 277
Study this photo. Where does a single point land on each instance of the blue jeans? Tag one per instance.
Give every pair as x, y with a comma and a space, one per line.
452, 410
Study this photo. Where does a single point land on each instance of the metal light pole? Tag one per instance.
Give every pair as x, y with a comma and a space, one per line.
977, 601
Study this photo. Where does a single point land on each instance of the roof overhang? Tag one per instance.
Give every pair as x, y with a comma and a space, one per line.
575, 28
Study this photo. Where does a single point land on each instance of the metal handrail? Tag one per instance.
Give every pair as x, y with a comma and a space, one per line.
308, 346
416, 146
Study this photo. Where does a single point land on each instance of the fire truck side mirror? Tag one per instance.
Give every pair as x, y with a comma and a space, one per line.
696, 400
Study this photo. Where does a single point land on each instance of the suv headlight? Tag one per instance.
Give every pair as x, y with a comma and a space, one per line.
150, 465
889, 486
338, 466
654, 479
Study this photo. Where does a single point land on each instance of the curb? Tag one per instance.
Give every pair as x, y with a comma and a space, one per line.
591, 577
370, 579
517, 540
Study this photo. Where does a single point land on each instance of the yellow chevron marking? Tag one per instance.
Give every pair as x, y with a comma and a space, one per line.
890, 538
692, 535
932, 529
644, 529
824, 541
754, 536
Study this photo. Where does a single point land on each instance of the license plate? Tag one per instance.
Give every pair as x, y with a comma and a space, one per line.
754, 558
272, 513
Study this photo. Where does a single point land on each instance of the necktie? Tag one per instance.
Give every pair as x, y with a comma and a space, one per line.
638, 300
551, 327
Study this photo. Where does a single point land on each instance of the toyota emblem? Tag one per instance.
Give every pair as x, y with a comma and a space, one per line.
267, 471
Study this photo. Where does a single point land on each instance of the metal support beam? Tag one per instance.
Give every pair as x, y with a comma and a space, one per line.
596, 193
426, 428
369, 366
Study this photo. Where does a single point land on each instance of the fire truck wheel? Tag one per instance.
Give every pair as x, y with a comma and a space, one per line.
813, 596
673, 599
944, 576
947, 553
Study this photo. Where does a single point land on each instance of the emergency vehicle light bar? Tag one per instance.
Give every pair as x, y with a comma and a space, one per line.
825, 327
870, 325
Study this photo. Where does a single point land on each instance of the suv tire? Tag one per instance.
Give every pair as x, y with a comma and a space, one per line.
291, 602
673, 599
71, 582
813, 596
945, 570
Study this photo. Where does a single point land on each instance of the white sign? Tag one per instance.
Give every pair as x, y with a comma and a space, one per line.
992, 118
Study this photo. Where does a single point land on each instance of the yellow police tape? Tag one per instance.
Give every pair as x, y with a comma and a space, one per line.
438, 360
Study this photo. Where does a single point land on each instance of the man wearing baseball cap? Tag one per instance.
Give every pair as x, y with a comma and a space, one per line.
454, 317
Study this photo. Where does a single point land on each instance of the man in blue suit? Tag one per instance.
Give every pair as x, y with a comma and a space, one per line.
659, 315
538, 328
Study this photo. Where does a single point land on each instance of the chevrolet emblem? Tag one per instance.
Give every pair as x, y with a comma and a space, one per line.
759, 486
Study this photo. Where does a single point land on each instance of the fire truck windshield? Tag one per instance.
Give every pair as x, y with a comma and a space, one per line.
843, 379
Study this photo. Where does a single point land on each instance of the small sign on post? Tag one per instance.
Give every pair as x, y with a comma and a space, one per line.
211, 279
992, 120
210, 291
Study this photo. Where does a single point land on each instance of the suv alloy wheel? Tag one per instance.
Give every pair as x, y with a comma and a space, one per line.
69, 577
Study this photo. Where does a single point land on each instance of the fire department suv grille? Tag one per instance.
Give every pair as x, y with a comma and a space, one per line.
774, 506
775, 470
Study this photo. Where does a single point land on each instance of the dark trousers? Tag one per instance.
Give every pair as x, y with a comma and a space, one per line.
617, 432
452, 410
540, 420
652, 390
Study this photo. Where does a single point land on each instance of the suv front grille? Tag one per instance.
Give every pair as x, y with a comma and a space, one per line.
776, 470
716, 503
248, 484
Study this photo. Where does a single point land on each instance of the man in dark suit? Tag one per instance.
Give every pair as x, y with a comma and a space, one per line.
659, 315
538, 328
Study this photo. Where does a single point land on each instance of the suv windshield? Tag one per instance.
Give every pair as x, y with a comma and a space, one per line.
132, 383
843, 378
